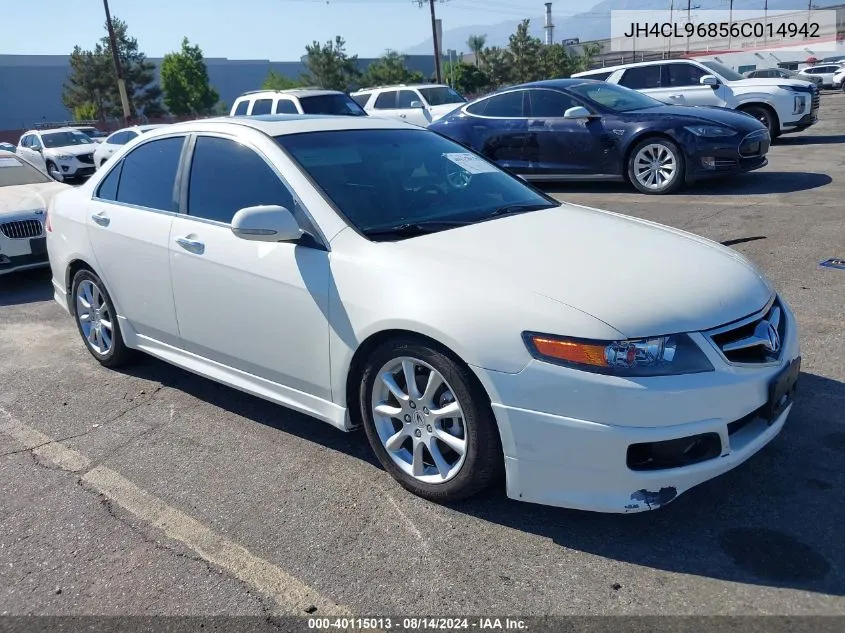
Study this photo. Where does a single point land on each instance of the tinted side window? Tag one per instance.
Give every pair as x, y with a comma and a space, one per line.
227, 176
683, 75
262, 106
641, 78
149, 173
478, 108
361, 100
121, 138
286, 106
25, 140
548, 103
599, 76
386, 100
108, 188
242, 107
508, 105
35, 142
406, 97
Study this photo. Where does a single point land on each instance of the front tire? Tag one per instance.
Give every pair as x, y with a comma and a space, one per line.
96, 320
656, 166
54, 171
765, 117
428, 423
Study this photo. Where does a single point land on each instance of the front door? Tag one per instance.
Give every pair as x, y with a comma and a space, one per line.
684, 80
129, 222
259, 307
577, 147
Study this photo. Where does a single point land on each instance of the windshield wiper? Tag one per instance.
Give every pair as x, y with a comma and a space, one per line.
416, 228
509, 209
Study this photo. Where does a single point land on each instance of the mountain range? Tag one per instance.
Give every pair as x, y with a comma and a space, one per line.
590, 25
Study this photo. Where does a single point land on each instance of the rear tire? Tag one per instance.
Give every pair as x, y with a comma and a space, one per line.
440, 441
97, 322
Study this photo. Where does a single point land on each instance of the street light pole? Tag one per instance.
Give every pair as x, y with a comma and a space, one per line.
118, 67
437, 73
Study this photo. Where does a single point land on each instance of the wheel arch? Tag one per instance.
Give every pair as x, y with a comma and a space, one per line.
73, 267
765, 106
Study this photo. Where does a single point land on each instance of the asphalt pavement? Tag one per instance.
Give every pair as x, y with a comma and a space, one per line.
151, 491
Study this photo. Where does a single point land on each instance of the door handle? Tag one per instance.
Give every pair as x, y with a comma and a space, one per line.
675, 96
192, 246
101, 219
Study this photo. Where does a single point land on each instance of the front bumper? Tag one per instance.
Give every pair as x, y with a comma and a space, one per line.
709, 158
567, 434
24, 250
76, 168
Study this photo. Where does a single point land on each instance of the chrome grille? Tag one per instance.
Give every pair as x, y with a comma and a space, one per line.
753, 340
22, 229
816, 98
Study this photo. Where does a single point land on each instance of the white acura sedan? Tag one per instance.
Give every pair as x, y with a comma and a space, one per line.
369, 272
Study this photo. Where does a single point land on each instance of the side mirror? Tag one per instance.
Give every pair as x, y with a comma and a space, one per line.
266, 223
417, 104
578, 112
709, 80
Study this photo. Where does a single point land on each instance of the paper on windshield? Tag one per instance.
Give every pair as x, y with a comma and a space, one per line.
471, 163
9, 162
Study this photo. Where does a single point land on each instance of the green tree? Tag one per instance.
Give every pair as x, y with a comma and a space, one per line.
585, 60
278, 81
497, 64
526, 53
390, 69
476, 43
184, 79
466, 78
330, 67
557, 62
93, 78
85, 112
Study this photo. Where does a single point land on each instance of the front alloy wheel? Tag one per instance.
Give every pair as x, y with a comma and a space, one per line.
656, 167
428, 422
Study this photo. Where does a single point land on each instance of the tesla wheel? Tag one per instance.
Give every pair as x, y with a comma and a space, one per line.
97, 321
656, 166
54, 171
764, 116
429, 425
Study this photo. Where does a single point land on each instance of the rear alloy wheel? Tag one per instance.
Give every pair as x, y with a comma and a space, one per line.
427, 423
97, 321
656, 166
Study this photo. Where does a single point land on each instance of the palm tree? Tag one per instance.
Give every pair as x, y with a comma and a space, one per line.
476, 45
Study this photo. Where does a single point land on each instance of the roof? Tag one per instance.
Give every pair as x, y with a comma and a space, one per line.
293, 92
281, 124
54, 129
554, 83
395, 86
610, 69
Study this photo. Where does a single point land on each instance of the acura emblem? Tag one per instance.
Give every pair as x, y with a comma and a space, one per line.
765, 335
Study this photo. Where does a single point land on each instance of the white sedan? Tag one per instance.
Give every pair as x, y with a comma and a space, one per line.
24, 194
371, 273
118, 139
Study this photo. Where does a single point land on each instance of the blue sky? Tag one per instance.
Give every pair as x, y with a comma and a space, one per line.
255, 29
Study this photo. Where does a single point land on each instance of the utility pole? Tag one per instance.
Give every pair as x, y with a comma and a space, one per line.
118, 67
437, 72
730, 20
669, 44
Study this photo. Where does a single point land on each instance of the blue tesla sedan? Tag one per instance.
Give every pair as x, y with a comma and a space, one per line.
582, 129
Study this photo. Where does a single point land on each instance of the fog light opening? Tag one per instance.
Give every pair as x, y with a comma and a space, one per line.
709, 162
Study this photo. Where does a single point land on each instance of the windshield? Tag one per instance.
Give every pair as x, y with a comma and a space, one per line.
64, 139
614, 97
723, 71
441, 95
342, 105
388, 179
15, 171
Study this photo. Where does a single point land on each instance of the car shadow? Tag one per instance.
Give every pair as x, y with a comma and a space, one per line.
754, 183
829, 139
774, 521
29, 286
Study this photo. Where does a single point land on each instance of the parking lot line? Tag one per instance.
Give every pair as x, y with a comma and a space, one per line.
292, 596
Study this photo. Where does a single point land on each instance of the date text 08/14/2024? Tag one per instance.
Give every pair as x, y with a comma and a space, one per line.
417, 624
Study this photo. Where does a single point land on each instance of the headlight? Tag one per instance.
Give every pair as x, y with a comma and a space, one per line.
659, 356
63, 157
710, 131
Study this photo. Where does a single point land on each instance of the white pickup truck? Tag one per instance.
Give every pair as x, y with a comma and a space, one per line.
782, 105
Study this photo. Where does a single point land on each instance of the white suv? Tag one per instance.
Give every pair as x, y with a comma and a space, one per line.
65, 152
825, 72
296, 101
418, 104
782, 105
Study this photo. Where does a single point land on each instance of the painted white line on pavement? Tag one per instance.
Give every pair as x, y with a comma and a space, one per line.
293, 596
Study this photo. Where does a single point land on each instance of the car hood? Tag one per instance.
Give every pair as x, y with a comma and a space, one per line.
73, 150
766, 81
641, 278
699, 114
19, 199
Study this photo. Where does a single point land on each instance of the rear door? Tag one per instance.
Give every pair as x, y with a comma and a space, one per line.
566, 146
129, 222
499, 130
